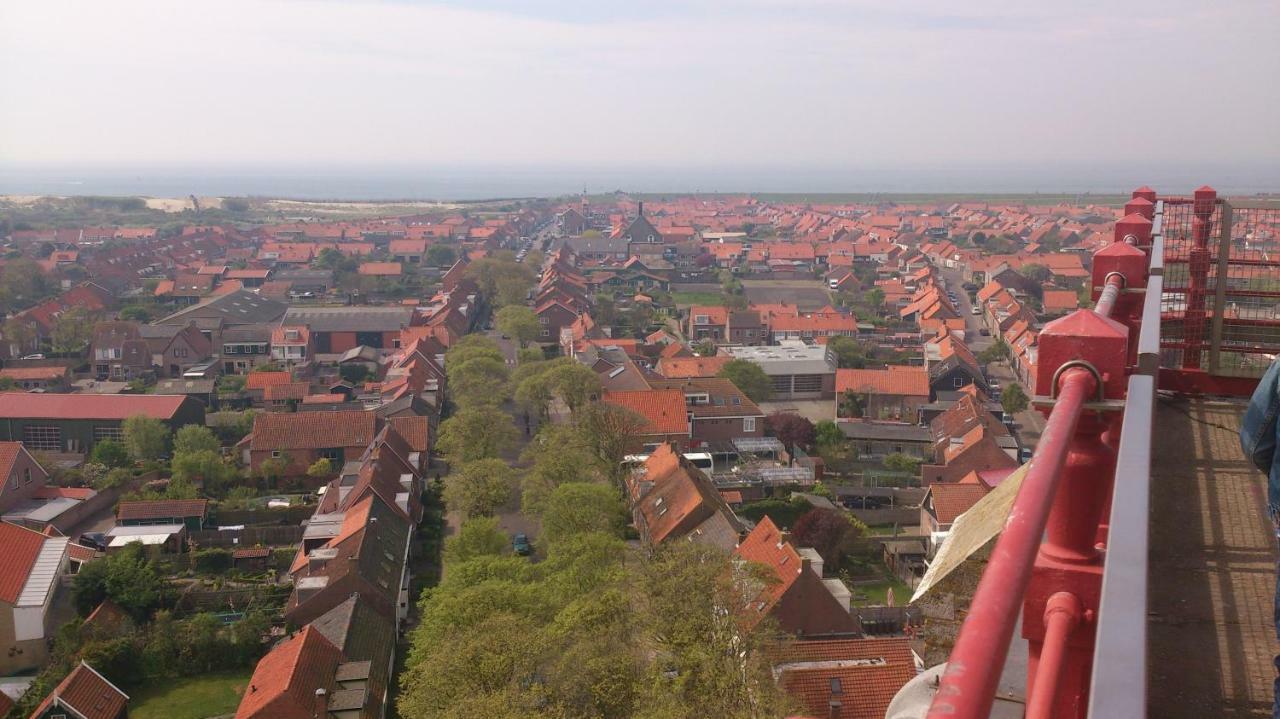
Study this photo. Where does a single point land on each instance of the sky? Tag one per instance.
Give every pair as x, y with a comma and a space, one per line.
791, 84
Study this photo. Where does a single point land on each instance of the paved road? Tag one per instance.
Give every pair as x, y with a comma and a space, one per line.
510, 519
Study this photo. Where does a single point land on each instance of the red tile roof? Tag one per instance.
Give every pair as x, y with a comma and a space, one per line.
286, 391
313, 430
895, 380
765, 546
9, 452
18, 405
21, 549
33, 373
663, 408
285, 681
684, 367
88, 694
863, 675
1060, 300
952, 500
162, 509
262, 380
380, 269
415, 430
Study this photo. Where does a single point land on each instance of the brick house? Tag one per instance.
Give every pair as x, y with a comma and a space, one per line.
553, 316
22, 475
671, 499
305, 437
799, 601
84, 694
893, 393
968, 438
667, 420
31, 569
708, 322
718, 411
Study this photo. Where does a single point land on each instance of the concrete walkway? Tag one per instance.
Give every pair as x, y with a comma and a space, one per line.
1212, 566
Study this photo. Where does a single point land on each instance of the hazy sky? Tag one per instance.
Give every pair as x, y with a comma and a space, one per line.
796, 83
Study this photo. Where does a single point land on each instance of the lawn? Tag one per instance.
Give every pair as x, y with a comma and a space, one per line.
199, 697
683, 299
868, 595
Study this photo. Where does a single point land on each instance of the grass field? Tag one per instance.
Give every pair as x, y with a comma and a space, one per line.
683, 299
868, 595
210, 695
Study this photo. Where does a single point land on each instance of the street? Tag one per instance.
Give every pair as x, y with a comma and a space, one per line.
1028, 424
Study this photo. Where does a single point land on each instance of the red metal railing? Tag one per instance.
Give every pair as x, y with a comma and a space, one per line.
1095, 382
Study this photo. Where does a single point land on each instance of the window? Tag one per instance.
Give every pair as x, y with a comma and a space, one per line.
179, 351
545, 333
333, 454
231, 349
748, 424
26, 475
275, 454
958, 382
544, 320
395, 343
47, 438
112, 433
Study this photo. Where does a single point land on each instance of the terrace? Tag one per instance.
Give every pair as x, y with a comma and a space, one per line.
1136, 597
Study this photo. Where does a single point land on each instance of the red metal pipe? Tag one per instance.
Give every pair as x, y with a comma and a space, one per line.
1061, 616
1106, 303
967, 689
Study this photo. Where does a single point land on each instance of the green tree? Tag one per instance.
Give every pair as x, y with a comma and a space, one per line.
477, 537
1037, 273
146, 438
110, 453
195, 438
439, 255
479, 488
518, 322
899, 462
476, 433
748, 377
610, 433
849, 352
705, 348
556, 456
502, 280
479, 381
994, 353
579, 508
23, 283
126, 577
8, 384
72, 331
320, 469
1014, 399
827, 434
203, 467
135, 313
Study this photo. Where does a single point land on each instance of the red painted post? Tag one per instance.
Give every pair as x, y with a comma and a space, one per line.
1130, 263
1140, 206
1068, 560
1145, 193
1198, 261
1062, 615
1134, 225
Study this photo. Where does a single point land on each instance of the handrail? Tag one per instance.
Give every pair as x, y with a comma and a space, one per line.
967, 688
1118, 686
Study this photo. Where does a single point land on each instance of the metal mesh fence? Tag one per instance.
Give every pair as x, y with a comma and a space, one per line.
1220, 311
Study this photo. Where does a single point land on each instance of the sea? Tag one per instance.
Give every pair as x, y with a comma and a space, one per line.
424, 182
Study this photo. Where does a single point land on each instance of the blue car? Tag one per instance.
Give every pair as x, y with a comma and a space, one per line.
520, 545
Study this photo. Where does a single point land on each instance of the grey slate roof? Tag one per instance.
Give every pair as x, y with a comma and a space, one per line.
349, 319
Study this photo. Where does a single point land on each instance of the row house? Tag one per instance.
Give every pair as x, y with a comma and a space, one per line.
951, 364
968, 438
672, 500
718, 411
894, 393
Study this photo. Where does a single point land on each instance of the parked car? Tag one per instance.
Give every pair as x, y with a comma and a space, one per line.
984, 332
93, 540
975, 310
520, 545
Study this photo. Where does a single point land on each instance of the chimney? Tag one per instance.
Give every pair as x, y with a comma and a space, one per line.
833, 709
322, 703
640, 209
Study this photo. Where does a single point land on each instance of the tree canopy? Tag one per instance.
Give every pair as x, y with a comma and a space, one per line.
519, 323
476, 433
748, 377
145, 437
1014, 399
480, 487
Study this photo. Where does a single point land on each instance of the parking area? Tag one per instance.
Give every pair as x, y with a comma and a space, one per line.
808, 295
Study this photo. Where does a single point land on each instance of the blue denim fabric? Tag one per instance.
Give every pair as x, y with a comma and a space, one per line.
1258, 435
